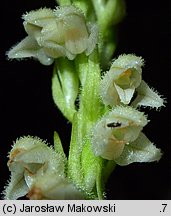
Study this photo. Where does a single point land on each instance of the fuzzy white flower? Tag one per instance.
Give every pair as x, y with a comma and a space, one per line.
116, 129
123, 84
117, 136
31, 160
119, 83
55, 33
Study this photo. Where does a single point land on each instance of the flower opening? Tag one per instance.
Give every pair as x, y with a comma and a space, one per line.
119, 83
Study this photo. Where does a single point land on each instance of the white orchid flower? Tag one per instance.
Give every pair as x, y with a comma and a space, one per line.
55, 33
118, 130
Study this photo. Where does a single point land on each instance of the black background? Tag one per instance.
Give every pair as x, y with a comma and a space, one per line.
27, 107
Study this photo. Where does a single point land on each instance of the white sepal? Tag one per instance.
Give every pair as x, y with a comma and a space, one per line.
140, 150
146, 96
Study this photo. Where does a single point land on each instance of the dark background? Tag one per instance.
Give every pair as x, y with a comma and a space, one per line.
27, 107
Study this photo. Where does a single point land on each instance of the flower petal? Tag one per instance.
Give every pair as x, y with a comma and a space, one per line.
16, 188
128, 61
93, 38
53, 186
40, 17
141, 150
76, 35
125, 95
147, 97
28, 47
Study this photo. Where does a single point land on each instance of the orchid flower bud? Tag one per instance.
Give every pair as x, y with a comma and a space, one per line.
55, 33
118, 128
119, 83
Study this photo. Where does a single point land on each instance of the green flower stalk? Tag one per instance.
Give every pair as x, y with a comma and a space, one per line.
79, 37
